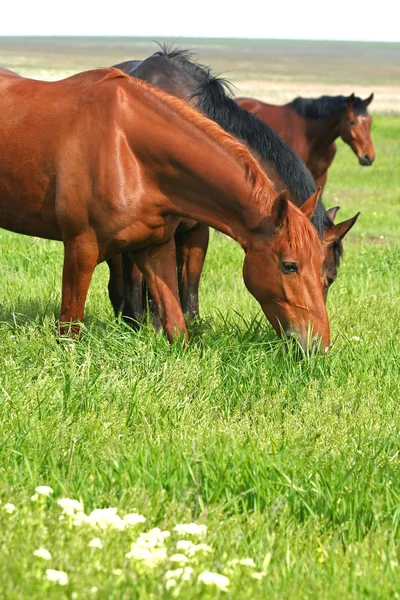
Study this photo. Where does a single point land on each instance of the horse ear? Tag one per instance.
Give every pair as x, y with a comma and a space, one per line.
350, 101
332, 212
369, 99
337, 232
279, 209
310, 204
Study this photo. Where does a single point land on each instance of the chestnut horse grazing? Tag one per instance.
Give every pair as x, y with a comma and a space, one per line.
175, 71
106, 163
311, 126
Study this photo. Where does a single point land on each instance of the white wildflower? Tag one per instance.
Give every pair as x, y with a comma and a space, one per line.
94, 589
179, 558
153, 538
191, 529
356, 338
244, 562
106, 518
80, 519
117, 572
42, 553
149, 556
35, 497
9, 508
170, 583
201, 548
59, 577
70, 506
258, 575
209, 578
133, 519
44, 490
184, 545
95, 543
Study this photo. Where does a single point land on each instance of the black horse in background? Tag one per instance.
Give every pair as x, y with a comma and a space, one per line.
175, 72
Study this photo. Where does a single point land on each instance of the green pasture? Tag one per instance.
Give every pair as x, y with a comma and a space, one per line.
293, 464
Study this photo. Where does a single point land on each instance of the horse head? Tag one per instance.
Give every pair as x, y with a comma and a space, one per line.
283, 269
355, 129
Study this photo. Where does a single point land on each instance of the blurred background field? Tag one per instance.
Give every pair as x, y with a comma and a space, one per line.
272, 70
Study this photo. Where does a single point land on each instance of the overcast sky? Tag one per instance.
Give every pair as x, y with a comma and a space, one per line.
287, 19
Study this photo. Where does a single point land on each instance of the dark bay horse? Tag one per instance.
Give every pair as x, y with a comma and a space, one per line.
311, 126
106, 163
175, 72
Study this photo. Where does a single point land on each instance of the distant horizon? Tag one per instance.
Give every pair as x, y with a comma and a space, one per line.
199, 37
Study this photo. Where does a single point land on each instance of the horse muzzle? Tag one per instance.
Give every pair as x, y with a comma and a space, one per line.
366, 160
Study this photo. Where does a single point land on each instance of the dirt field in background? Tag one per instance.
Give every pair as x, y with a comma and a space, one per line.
386, 97
272, 70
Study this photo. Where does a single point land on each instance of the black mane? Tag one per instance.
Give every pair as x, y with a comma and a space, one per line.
326, 106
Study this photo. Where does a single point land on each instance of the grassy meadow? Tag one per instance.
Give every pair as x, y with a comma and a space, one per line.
292, 465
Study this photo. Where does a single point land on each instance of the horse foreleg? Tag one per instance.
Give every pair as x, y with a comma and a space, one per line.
191, 250
134, 297
321, 180
116, 287
81, 255
158, 265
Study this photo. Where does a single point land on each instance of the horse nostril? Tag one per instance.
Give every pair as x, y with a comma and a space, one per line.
366, 156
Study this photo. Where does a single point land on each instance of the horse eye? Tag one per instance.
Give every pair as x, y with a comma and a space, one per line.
330, 281
289, 267
352, 122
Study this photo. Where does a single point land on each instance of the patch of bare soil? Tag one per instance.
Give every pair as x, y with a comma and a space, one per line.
386, 97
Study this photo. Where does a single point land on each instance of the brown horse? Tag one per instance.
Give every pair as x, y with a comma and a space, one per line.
311, 127
106, 163
175, 72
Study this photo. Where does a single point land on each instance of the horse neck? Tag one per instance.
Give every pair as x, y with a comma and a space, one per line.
322, 132
212, 187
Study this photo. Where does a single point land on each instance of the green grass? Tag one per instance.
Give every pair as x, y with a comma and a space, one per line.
294, 464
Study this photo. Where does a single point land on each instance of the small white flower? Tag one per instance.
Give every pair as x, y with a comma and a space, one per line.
153, 538
44, 490
209, 578
150, 556
170, 583
35, 497
117, 572
95, 543
258, 575
191, 529
133, 519
201, 548
42, 553
184, 545
244, 562
356, 338
9, 508
106, 518
94, 589
179, 558
70, 506
81, 519
59, 577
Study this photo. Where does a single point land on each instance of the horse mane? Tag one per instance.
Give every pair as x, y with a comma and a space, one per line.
212, 97
326, 106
